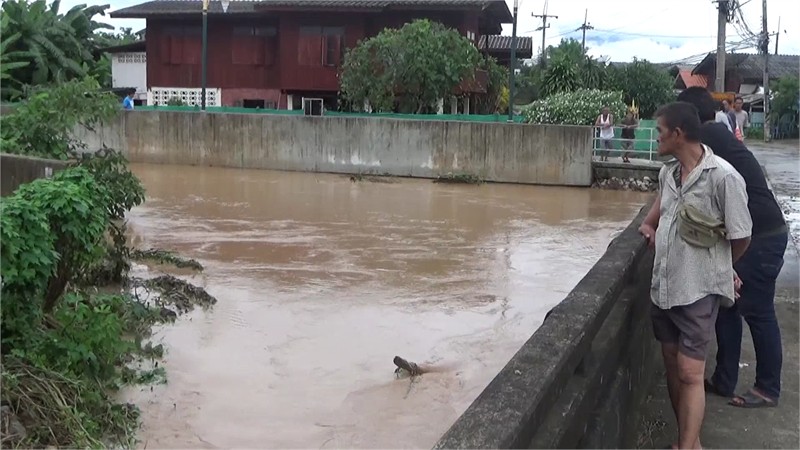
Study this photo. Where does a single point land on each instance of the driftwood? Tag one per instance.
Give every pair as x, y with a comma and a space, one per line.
412, 368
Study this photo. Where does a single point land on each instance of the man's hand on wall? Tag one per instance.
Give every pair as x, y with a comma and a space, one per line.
649, 233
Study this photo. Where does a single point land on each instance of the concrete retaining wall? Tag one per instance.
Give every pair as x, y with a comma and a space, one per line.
609, 170
580, 380
16, 170
536, 154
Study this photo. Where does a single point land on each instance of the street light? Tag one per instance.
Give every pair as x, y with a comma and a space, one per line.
204, 80
204, 58
512, 69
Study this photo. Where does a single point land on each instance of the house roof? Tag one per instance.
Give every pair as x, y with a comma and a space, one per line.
182, 7
138, 46
498, 43
751, 66
686, 79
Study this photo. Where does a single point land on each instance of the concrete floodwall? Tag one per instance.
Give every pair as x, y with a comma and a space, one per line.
582, 377
17, 169
536, 154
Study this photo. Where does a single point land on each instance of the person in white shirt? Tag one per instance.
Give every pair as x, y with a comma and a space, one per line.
605, 122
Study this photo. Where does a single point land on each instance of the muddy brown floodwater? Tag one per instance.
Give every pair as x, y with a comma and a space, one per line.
321, 281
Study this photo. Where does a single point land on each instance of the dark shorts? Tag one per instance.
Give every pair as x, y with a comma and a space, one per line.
691, 327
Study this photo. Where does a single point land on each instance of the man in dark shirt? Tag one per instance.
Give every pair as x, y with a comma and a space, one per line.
758, 269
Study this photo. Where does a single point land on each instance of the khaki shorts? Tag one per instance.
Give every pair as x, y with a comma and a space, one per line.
691, 327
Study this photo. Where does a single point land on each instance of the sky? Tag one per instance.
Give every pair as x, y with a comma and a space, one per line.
659, 31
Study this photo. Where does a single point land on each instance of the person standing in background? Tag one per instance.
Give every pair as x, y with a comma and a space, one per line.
721, 117
127, 102
629, 124
726, 106
605, 121
742, 118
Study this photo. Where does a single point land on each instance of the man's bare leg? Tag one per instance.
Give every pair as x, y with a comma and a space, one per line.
691, 401
670, 354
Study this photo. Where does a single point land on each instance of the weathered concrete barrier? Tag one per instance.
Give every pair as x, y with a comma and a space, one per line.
536, 154
607, 170
17, 169
579, 381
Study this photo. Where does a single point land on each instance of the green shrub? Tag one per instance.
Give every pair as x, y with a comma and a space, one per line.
579, 107
42, 124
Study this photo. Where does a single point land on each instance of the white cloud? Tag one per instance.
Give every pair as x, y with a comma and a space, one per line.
627, 23
694, 22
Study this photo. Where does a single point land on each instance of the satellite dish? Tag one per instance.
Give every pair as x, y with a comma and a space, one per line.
225, 4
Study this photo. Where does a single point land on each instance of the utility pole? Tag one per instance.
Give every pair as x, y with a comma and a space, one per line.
777, 35
204, 64
512, 72
544, 16
584, 27
722, 21
765, 49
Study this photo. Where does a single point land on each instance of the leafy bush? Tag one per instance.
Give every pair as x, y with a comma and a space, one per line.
580, 107
42, 124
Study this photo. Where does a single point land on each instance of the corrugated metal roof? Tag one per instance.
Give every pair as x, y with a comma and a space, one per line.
751, 66
168, 7
499, 42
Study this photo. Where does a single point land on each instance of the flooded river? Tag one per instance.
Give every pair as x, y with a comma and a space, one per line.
321, 281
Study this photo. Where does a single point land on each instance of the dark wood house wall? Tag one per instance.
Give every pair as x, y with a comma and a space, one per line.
274, 54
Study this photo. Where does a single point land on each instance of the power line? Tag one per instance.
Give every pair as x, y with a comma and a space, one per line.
653, 35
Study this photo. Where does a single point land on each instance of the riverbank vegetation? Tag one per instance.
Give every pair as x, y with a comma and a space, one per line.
42, 45
74, 325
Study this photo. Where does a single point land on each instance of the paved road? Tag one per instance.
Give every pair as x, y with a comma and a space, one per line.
726, 426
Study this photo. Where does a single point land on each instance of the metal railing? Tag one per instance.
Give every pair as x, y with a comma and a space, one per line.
644, 145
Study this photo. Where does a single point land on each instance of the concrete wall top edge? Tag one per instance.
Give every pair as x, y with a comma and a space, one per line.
360, 118
509, 411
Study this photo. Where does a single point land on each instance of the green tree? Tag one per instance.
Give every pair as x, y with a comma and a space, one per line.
10, 61
786, 96
644, 83
58, 47
416, 65
496, 98
569, 69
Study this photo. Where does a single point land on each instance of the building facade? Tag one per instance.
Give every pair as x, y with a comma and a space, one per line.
129, 69
273, 53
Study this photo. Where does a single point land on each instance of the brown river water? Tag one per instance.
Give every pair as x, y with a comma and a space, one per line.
321, 281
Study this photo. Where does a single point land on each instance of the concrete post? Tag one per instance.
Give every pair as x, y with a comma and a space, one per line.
440, 106
466, 104
290, 102
453, 105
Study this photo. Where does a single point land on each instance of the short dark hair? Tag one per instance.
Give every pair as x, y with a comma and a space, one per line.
681, 115
738, 97
702, 100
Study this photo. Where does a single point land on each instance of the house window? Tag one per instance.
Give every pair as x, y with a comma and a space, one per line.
254, 46
320, 46
182, 45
